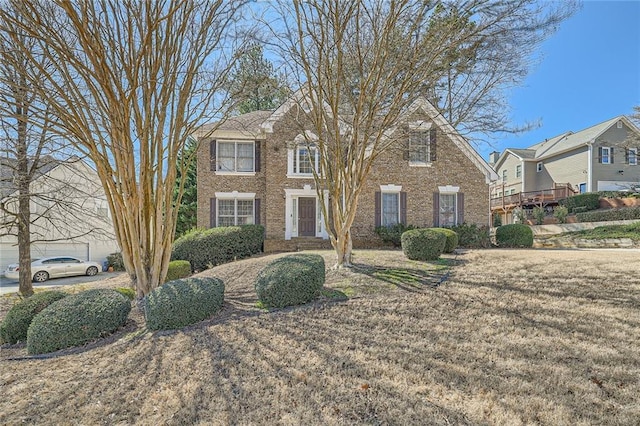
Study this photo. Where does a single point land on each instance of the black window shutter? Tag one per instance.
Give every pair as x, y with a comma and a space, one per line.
403, 208
611, 155
460, 205
212, 155
256, 211
212, 213
257, 156
432, 145
599, 154
378, 213
626, 155
436, 209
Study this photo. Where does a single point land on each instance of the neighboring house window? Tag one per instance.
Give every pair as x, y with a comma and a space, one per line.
539, 167
448, 206
504, 175
235, 157
606, 155
234, 209
632, 156
519, 170
390, 205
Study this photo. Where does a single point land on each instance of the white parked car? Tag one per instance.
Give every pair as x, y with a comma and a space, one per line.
55, 267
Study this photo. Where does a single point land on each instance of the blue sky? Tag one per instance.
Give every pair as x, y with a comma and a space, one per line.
589, 73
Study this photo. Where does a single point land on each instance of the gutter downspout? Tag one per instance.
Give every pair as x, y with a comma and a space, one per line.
590, 166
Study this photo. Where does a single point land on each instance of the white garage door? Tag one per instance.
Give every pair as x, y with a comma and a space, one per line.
9, 251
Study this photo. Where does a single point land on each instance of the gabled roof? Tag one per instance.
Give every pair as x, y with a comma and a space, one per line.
7, 166
564, 142
299, 98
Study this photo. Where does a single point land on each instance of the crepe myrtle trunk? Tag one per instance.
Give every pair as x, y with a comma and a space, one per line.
24, 240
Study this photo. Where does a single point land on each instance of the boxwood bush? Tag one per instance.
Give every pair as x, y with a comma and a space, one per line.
452, 239
392, 234
423, 244
77, 319
15, 325
205, 248
178, 269
581, 202
291, 280
514, 235
472, 235
179, 303
627, 213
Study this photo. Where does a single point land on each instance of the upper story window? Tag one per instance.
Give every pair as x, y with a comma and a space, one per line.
419, 144
304, 156
504, 175
539, 167
235, 156
519, 170
606, 155
632, 156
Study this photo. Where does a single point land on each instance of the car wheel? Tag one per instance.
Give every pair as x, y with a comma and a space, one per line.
40, 276
92, 270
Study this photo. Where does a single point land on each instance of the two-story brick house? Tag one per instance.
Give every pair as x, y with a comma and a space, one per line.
257, 168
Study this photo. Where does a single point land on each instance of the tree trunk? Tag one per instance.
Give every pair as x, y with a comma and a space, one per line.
24, 244
343, 246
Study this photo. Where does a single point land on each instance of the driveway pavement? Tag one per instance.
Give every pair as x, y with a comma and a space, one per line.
11, 286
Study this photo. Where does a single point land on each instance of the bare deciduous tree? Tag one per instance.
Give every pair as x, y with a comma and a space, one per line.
363, 64
34, 199
132, 80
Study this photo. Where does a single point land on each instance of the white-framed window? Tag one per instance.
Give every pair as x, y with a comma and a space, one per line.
305, 159
235, 156
419, 148
504, 175
606, 155
234, 208
303, 156
518, 170
633, 156
390, 208
448, 210
539, 167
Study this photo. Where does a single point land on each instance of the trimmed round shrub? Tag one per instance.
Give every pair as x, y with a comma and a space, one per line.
178, 269
15, 325
514, 235
77, 319
391, 234
206, 248
291, 280
452, 239
179, 303
423, 244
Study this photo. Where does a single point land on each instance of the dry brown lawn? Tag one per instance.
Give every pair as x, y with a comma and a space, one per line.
510, 337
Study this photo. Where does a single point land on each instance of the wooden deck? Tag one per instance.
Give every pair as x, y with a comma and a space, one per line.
539, 198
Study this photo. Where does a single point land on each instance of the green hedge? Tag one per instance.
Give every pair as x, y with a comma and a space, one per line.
178, 269
77, 319
127, 292
514, 235
392, 234
115, 260
452, 239
581, 202
423, 244
291, 280
179, 303
15, 325
627, 213
205, 248
472, 235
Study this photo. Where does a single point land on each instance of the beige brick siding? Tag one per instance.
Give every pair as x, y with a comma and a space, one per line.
451, 167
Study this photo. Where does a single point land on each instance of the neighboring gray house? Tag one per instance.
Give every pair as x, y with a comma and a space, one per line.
603, 157
80, 225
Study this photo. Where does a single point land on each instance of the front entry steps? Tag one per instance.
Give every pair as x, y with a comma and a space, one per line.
311, 243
